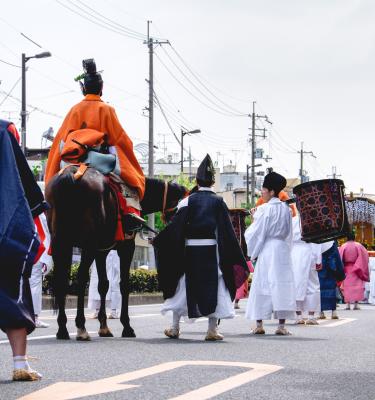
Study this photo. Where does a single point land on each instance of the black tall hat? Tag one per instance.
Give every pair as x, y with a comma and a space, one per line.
274, 181
206, 171
92, 80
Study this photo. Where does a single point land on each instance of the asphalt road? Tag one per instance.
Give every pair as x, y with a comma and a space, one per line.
332, 361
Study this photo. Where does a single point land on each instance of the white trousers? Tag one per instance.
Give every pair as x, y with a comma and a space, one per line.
113, 298
36, 280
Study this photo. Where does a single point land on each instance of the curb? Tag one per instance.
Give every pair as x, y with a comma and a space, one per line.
134, 300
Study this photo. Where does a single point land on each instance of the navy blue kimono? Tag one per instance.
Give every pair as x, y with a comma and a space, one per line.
331, 273
205, 217
20, 200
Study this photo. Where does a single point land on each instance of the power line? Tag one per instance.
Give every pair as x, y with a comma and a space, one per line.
166, 119
102, 23
204, 85
200, 76
8, 63
33, 107
191, 93
130, 31
10, 91
235, 113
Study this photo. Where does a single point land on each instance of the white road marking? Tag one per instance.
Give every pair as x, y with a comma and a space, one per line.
74, 390
330, 324
45, 337
54, 317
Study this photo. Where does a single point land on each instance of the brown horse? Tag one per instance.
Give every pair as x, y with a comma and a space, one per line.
84, 214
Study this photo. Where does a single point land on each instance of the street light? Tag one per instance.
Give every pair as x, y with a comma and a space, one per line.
23, 109
183, 133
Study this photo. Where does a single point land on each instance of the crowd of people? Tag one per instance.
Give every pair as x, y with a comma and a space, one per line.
203, 271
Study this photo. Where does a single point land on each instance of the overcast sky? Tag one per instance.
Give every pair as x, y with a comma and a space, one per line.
309, 65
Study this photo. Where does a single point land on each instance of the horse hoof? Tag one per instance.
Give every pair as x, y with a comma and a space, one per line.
64, 335
105, 332
128, 332
82, 335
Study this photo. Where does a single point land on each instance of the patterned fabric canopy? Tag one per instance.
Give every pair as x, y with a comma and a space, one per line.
360, 210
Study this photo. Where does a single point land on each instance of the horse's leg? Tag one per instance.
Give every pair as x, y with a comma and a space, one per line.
62, 258
125, 251
87, 259
103, 285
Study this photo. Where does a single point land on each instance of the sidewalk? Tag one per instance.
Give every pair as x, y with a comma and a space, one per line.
134, 300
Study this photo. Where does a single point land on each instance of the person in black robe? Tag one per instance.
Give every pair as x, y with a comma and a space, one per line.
199, 260
21, 200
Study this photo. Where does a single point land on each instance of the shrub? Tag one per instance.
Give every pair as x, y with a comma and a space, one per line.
141, 281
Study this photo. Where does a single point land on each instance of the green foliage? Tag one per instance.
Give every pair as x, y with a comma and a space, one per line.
37, 169
185, 181
141, 281
159, 224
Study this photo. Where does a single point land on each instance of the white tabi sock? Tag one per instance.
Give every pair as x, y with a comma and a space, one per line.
176, 321
20, 362
281, 326
212, 324
260, 324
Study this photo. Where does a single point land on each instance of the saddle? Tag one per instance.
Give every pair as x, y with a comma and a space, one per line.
88, 146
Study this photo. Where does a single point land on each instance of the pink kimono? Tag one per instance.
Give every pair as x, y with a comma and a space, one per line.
243, 291
355, 259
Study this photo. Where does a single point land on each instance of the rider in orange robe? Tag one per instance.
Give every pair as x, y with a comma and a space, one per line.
93, 114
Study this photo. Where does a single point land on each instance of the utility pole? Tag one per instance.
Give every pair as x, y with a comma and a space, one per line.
301, 171
190, 168
23, 105
254, 117
334, 173
150, 44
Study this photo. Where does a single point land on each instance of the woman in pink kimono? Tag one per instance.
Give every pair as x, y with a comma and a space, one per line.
355, 259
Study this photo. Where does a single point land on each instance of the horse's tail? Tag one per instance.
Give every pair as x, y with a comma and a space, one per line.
63, 197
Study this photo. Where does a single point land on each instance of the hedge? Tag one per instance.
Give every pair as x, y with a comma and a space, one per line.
141, 281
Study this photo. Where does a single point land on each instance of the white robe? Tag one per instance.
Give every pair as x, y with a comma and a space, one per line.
305, 256
269, 240
371, 298
113, 298
40, 269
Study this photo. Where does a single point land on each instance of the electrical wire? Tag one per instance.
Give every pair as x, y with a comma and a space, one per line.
10, 64
196, 76
191, 93
10, 91
126, 29
33, 108
102, 24
166, 119
228, 108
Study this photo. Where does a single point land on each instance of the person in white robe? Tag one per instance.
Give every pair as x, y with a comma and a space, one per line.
269, 240
306, 259
113, 298
371, 264
38, 272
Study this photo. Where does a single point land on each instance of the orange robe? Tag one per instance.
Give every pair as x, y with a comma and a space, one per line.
93, 113
283, 196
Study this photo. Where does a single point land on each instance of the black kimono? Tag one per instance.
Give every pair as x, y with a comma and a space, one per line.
198, 240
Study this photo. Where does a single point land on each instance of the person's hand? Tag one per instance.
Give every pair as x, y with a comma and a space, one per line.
252, 211
318, 267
